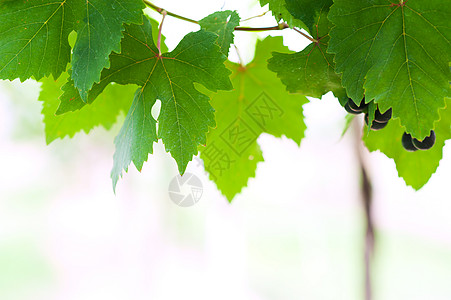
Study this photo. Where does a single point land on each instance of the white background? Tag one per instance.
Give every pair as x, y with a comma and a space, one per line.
296, 231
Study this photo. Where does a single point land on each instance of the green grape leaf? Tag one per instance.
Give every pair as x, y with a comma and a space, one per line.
258, 104
280, 12
414, 167
348, 121
308, 11
136, 137
222, 23
397, 54
310, 71
114, 100
34, 37
185, 113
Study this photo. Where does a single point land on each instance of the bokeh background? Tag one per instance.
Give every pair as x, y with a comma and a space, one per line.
296, 231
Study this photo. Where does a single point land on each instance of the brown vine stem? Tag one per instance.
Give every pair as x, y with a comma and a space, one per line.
367, 199
280, 26
306, 36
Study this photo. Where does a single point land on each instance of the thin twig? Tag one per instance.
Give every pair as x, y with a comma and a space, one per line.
280, 26
258, 16
239, 56
367, 195
160, 10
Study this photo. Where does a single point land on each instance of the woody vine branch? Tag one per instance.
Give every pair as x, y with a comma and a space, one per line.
279, 26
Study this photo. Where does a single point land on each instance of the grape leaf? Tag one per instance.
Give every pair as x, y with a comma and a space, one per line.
103, 112
222, 23
185, 113
310, 71
136, 137
34, 37
397, 54
280, 12
414, 167
258, 104
308, 11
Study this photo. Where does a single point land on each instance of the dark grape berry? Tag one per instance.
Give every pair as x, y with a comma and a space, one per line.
360, 108
376, 125
385, 117
425, 144
407, 142
350, 110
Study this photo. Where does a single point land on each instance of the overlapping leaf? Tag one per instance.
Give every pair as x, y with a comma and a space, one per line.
279, 11
308, 11
258, 104
310, 71
397, 54
136, 137
414, 167
222, 23
34, 37
114, 99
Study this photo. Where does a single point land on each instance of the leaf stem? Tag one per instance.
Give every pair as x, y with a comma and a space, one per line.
258, 16
306, 36
164, 13
239, 56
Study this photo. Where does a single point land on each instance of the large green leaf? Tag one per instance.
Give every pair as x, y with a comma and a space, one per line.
185, 113
397, 54
34, 37
114, 99
310, 71
258, 104
414, 167
222, 23
136, 137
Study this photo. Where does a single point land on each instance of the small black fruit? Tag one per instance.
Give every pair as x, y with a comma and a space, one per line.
385, 117
427, 143
407, 142
376, 125
350, 110
360, 108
